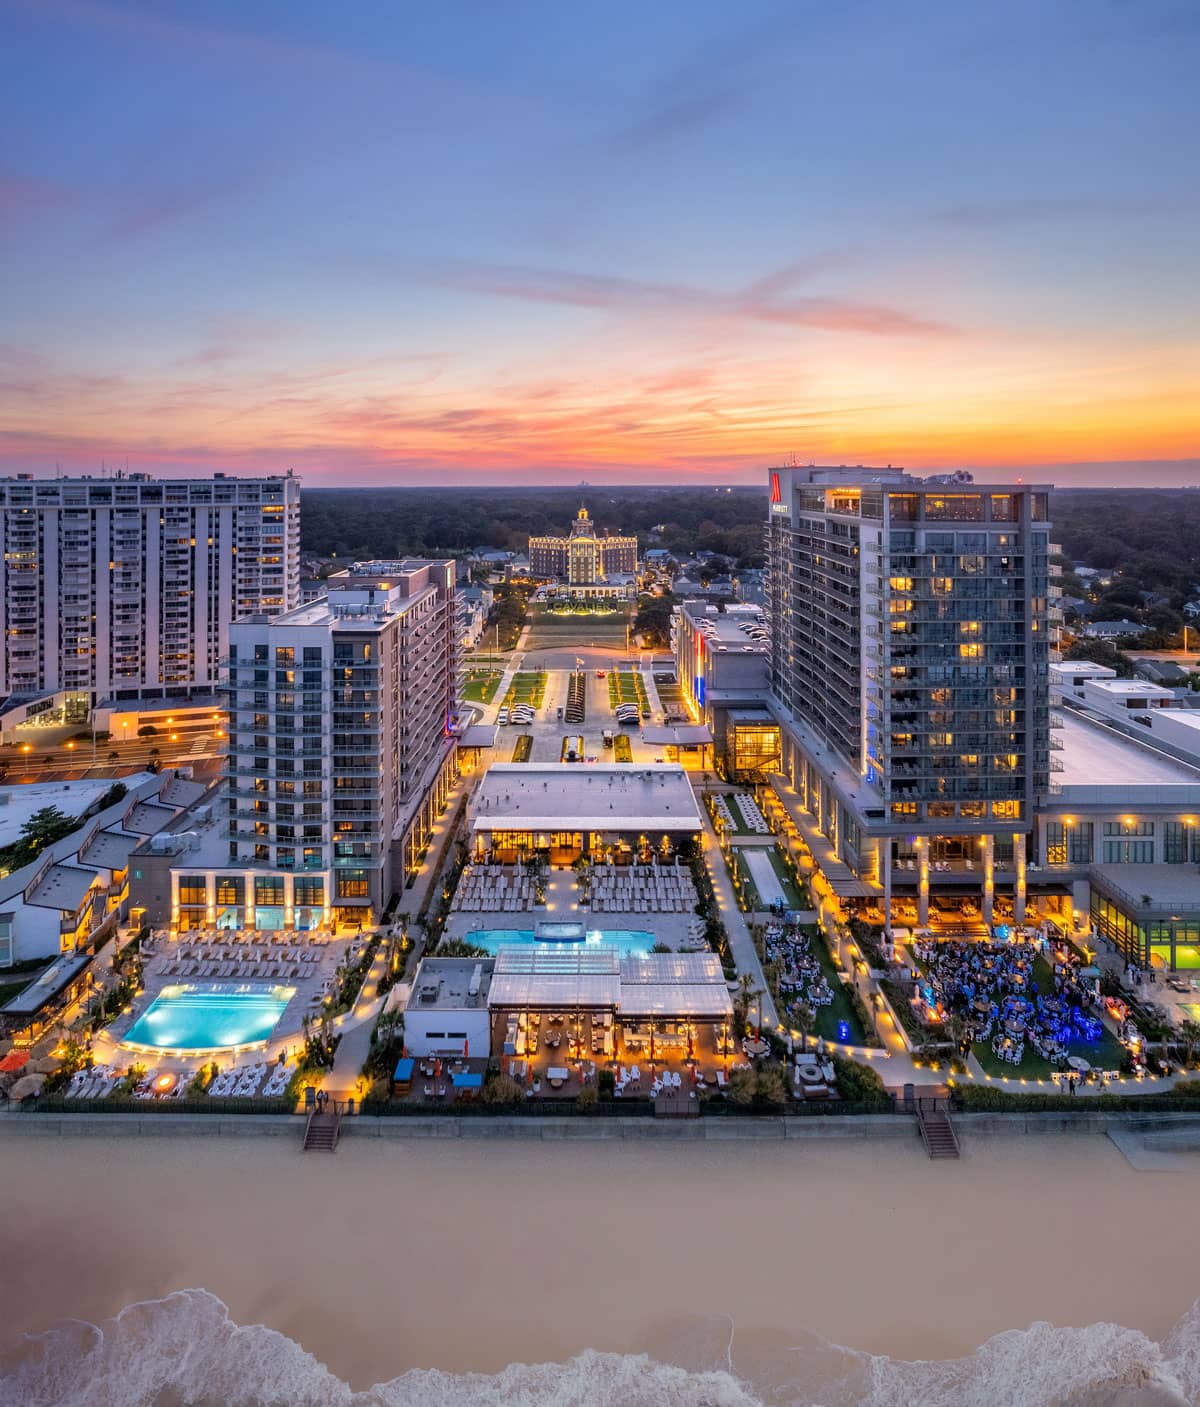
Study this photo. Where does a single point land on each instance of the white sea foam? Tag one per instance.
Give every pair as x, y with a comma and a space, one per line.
185, 1351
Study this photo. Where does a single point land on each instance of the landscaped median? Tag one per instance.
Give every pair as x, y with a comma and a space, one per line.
522, 748
527, 687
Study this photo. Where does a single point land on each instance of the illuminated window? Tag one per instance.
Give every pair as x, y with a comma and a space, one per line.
904, 808
1007, 810
970, 652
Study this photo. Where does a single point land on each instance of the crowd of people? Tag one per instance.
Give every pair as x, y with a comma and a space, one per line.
992, 988
801, 980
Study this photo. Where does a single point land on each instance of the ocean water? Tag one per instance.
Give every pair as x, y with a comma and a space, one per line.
186, 1351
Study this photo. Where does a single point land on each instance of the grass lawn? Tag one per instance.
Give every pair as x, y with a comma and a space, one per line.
522, 748
480, 685
9, 990
739, 815
1104, 1054
840, 1009
754, 902
527, 687
548, 631
625, 686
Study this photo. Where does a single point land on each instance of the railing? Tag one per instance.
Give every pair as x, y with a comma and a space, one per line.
127, 1104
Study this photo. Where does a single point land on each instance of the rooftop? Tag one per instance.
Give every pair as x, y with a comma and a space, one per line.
570, 795
1093, 755
1081, 669
111, 849
63, 887
728, 629
1172, 888
451, 983
1130, 689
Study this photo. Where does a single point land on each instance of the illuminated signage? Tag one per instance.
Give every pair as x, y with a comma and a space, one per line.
777, 503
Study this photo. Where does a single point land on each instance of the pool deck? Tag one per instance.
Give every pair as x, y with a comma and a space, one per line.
562, 902
285, 1036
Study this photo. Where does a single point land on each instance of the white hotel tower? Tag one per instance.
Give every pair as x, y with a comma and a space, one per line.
125, 588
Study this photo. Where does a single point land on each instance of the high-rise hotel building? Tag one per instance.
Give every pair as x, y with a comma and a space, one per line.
125, 588
340, 753
909, 673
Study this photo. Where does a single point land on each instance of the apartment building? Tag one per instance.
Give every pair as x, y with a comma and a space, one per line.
125, 588
910, 646
340, 756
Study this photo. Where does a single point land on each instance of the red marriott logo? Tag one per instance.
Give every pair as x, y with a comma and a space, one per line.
776, 496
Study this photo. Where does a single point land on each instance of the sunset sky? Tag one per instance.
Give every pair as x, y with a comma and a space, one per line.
515, 242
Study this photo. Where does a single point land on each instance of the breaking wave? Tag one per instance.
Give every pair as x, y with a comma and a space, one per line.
185, 1351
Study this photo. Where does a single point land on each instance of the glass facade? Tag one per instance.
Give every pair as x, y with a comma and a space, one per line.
1171, 942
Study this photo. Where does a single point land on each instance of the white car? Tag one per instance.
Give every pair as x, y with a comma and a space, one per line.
502, 716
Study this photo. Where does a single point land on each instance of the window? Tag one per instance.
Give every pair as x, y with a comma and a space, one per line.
268, 889
309, 891
1056, 843
1128, 852
192, 889
1129, 827
353, 884
1079, 843
231, 889
1181, 843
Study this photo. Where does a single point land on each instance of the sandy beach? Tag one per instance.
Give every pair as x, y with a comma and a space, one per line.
470, 1255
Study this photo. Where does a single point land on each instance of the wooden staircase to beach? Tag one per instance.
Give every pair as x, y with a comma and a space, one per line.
937, 1133
321, 1131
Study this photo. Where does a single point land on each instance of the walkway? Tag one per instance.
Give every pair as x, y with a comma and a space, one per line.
342, 1080
766, 881
745, 955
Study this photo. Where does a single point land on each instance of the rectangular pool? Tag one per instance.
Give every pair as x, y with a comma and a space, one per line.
207, 1016
629, 942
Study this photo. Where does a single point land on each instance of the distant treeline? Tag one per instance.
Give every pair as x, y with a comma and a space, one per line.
1152, 536
397, 522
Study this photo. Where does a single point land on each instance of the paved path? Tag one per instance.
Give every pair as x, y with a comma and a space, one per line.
745, 955
342, 1080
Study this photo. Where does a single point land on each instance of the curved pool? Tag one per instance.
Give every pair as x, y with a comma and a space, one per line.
197, 1017
629, 942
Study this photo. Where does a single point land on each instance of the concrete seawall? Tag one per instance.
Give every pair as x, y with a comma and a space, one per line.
550, 1129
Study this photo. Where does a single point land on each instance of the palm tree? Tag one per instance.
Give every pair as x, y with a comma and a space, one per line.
805, 1018
1189, 1037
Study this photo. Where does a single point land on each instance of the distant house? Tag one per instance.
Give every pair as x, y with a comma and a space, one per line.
1192, 608
1165, 672
1113, 629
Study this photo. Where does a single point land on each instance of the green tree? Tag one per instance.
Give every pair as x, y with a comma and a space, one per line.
46, 826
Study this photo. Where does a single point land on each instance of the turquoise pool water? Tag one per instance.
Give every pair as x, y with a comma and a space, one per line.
209, 1016
629, 942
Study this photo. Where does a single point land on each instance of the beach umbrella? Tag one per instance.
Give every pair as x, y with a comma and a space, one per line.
466, 1049
27, 1085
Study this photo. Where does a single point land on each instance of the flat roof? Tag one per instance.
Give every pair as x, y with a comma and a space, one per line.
585, 796
657, 985
1186, 717
1081, 668
677, 735
1093, 756
1171, 887
446, 983
63, 887
111, 849
478, 735
1130, 688
56, 978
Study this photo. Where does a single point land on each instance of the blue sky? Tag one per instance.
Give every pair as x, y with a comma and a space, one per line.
512, 241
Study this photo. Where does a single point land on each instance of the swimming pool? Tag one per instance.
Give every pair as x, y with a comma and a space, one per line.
629, 942
209, 1016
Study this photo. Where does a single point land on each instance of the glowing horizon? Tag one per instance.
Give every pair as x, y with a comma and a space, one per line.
528, 244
